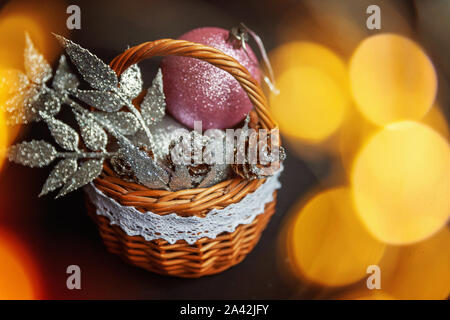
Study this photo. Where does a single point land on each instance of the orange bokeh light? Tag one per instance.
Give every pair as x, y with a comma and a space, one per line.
12, 30
3, 138
18, 17
18, 276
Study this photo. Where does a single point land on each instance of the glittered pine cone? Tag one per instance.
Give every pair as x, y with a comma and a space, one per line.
188, 166
258, 154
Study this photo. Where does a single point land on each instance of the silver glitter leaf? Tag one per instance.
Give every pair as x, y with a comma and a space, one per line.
97, 73
18, 90
20, 107
87, 172
21, 116
25, 108
36, 67
93, 135
145, 169
13, 82
124, 122
63, 134
59, 175
36, 153
20, 101
46, 102
180, 179
64, 79
131, 82
154, 104
102, 100
217, 173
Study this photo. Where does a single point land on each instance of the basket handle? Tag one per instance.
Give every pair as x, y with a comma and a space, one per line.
168, 47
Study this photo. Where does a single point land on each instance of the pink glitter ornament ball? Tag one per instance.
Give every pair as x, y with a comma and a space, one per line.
198, 91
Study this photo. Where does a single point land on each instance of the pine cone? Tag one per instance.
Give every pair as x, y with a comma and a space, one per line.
201, 172
181, 153
122, 169
257, 156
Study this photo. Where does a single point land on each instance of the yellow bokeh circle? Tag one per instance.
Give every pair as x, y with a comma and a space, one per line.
303, 53
311, 105
401, 183
314, 94
392, 79
422, 270
328, 243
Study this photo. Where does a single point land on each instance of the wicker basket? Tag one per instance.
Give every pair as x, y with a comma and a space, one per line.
206, 256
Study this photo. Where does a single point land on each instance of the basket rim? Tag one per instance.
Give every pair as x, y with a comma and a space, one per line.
195, 201
185, 203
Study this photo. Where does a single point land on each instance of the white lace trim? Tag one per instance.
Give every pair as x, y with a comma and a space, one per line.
172, 227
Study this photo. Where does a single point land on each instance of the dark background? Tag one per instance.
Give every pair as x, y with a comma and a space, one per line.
58, 233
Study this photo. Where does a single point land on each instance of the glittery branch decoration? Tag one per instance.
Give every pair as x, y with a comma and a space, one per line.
97, 73
124, 122
46, 102
59, 175
64, 79
37, 68
13, 81
93, 135
63, 134
131, 82
87, 172
102, 100
36, 153
28, 98
154, 104
20, 110
110, 97
145, 169
26, 95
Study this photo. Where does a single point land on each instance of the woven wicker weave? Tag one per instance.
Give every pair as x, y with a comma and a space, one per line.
206, 256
